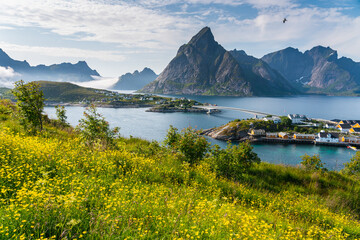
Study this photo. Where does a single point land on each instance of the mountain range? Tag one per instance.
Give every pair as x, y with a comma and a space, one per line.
135, 80
78, 72
204, 67
318, 70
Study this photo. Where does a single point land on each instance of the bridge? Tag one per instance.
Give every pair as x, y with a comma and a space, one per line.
211, 107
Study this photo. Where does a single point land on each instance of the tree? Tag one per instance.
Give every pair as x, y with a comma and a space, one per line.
94, 129
353, 167
30, 100
61, 114
234, 160
188, 142
312, 162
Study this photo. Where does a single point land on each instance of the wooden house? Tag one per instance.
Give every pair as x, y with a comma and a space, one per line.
257, 132
283, 135
344, 127
354, 130
304, 136
271, 135
327, 137
350, 140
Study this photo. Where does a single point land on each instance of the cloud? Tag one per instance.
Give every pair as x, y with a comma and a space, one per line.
100, 83
7, 75
7, 72
103, 21
113, 56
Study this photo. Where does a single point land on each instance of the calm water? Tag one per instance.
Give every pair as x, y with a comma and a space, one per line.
153, 126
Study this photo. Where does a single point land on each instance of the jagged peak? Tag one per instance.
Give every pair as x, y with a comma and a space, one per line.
148, 70
205, 34
82, 63
242, 52
291, 49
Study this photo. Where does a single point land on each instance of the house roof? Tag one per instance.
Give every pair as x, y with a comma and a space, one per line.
345, 126
357, 130
325, 135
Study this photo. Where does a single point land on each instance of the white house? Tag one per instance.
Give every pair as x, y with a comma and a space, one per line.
327, 137
297, 118
330, 125
276, 120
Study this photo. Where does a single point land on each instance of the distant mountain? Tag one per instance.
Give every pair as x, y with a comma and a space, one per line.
57, 72
204, 67
318, 70
136, 80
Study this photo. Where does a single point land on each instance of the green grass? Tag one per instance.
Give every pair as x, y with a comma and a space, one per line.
53, 186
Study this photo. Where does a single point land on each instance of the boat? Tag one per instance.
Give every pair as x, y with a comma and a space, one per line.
353, 148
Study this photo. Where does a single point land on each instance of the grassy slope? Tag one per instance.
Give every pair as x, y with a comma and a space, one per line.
53, 186
62, 92
67, 92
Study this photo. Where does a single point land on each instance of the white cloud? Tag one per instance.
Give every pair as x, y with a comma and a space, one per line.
113, 56
7, 77
103, 21
7, 72
100, 82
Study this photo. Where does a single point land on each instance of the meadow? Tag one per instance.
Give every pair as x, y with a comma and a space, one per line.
53, 186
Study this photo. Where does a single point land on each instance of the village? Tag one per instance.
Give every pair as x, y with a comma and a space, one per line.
335, 132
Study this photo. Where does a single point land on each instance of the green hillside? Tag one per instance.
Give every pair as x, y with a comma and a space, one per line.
68, 92
53, 186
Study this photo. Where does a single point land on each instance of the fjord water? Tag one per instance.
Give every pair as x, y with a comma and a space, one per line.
153, 126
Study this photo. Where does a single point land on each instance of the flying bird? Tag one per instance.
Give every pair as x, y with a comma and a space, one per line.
284, 20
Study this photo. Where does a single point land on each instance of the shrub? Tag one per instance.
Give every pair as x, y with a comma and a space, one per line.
61, 114
188, 142
353, 167
94, 129
312, 163
234, 160
30, 101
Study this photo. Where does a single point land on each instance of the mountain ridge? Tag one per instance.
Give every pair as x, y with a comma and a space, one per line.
318, 70
204, 67
135, 80
65, 71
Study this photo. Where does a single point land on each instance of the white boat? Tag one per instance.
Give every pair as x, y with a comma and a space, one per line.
353, 148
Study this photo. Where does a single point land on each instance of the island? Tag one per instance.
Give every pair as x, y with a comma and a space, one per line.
69, 94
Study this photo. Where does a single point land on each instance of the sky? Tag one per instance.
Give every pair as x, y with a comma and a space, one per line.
115, 37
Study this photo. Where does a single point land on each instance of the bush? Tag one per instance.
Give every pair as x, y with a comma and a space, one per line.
61, 114
95, 130
188, 142
30, 100
234, 160
353, 167
312, 163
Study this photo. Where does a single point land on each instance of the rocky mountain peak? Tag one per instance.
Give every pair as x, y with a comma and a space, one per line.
322, 52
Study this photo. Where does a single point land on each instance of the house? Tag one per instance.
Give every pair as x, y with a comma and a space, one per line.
354, 130
344, 127
276, 120
304, 136
296, 118
350, 139
356, 125
283, 135
330, 126
257, 132
327, 137
271, 135
351, 122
